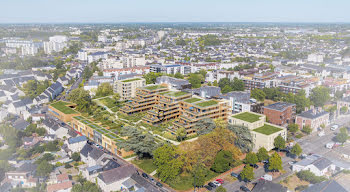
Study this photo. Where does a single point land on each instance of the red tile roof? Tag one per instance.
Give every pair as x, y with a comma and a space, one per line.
59, 186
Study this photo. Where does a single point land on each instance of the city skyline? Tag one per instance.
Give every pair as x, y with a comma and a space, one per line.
154, 11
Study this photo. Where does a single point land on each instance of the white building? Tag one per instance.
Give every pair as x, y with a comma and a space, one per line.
132, 61
56, 44
96, 56
82, 55
317, 58
316, 164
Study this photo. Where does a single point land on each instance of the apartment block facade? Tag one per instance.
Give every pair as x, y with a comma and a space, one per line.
280, 113
127, 88
263, 133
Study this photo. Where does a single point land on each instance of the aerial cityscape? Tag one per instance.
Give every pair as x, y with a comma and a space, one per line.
175, 100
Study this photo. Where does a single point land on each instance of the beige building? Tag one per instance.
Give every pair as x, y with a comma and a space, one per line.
263, 133
127, 87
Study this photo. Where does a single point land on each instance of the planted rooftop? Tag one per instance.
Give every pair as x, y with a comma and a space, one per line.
192, 100
207, 103
175, 94
130, 80
62, 106
267, 129
154, 87
246, 116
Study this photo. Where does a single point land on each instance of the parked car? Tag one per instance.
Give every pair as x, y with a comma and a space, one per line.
211, 184
255, 166
159, 184
334, 127
208, 187
267, 177
292, 162
244, 188
151, 179
220, 181
330, 145
233, 174
321, 133
216, 183
265, 161
144, 175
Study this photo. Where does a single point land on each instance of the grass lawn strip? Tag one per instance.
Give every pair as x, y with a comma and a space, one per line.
246, 116
146, 165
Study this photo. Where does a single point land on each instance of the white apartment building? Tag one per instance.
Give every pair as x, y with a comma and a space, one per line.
127, 88
317, 58
82, 55
132, 61
56, 44
96, 56
29, 50
111, 63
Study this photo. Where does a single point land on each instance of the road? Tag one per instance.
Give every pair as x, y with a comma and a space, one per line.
310, 144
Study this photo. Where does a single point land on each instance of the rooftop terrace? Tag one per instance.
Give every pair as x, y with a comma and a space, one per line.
248, 117
154, 87
267, 129
174, 93
207, 103
192, 100
130, 80
62, 106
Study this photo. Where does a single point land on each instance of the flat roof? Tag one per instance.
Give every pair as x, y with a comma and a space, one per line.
246, 116
174, 93
154, 87
279, 106
192, 100
267, 129
130, 80
62, 106
207, 103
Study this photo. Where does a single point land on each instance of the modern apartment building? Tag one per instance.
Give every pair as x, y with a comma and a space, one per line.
280, 113
127, 87
144, 100
194, 109
263, 133
259, 81
167, 107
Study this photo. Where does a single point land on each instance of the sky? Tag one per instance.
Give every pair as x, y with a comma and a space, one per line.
120, 11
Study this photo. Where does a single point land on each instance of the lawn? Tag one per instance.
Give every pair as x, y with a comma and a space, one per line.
267, 129
246, 116
145, 164
110, 103
130, 80
61, 106
133, 118
192, 100
207, 103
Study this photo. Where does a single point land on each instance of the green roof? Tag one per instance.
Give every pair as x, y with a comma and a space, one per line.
267, 129
79, 118
192, 100
174, 94
62, 106
154, 87
246, 116
207, 103
130, 80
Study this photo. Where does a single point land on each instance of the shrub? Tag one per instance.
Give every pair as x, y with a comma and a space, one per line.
310, 177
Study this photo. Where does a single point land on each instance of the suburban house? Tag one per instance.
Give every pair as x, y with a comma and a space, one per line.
97, 157
24, 175
326, 186
318, 165
280, 113
313, 118
84, 153
263, 133
60, 187
268, 186
76, 144
53, 128
20, 124
113, 179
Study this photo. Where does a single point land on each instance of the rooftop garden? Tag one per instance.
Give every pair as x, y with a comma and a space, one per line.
207, 103
192, 100
267, 129
62, 106
154, 87
130, 80
246, 116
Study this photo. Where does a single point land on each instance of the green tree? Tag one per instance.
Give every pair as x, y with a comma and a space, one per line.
226, 89
204, 126
247, 173
142, 144
251, 158
262, 154
104, 89
296, 150
76, 156
44, 169
220, 189
202, 72
238, 84
275, 162
258, 94
279, 142
152, 77
82, 98
86, 186
215, 83
293, 127
181, 134
320, 96
244, 140
168, 162
342, 137
222, 161
195, 80
199, 174
344, 109
178, 75
306, 129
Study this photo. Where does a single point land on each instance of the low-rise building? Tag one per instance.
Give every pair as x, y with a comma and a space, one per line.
313, 118
263, 133
63, 111
318, 165
280, 113
113, 179
127, 88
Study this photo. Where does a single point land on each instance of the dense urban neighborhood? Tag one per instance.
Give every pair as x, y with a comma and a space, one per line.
174, 107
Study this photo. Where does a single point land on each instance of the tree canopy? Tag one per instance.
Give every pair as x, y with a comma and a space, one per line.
227, 85
82, 98
205, 126
258, 94
243, 139
251, 158
196, 80
222, 161
296, 150
279, 142
247, 173
275, 162
262, 154
104, 89
320, 96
